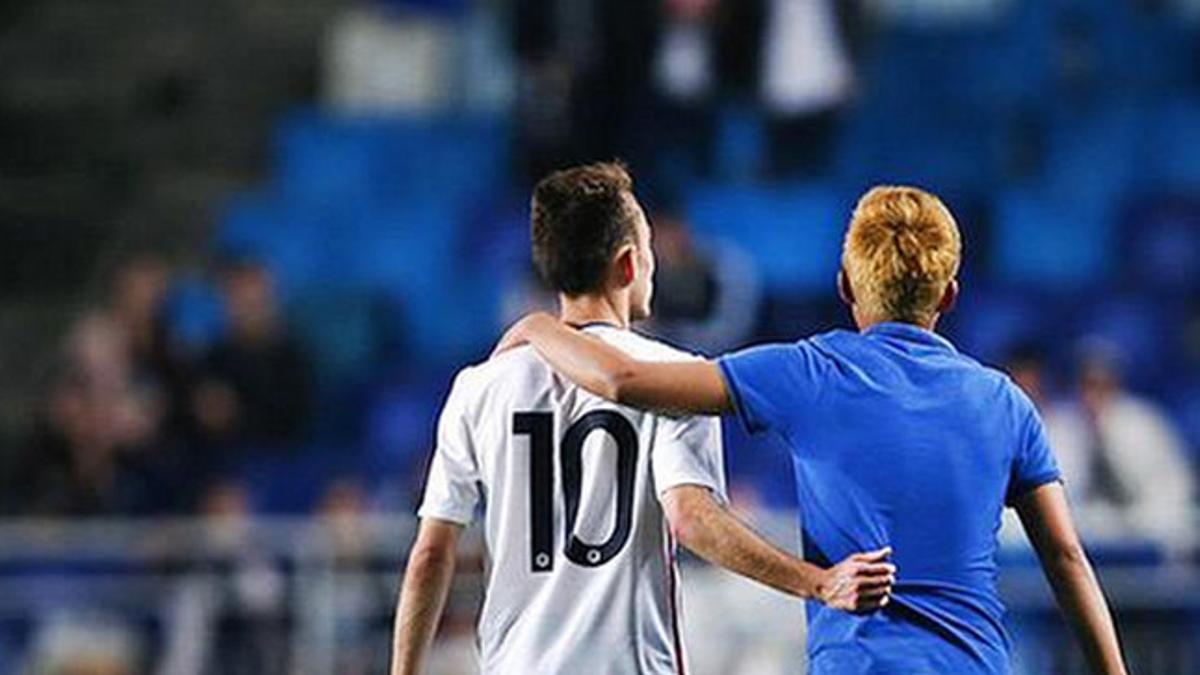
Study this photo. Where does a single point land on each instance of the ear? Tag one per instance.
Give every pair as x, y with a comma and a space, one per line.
626, 265
949, 297
845, 292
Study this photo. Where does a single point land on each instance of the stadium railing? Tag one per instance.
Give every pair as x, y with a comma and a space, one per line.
316, 596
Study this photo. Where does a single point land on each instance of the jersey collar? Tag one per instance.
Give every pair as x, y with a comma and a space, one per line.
907, 332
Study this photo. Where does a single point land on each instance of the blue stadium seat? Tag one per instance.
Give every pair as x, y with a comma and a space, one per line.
1161, 239
1091, 155
194, 314
1129, 50
1170, 159
464, 157
397, 424
948, 151
340, 333
1141, 327
939, 102
292, 482
1185, 406
988, 65
1041, 241
457, 322
793, 231
286, 236
323, 159
987, 323
740, 143
401, 245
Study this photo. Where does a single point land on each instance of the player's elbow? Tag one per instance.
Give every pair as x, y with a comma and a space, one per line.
683, 526
1066, 559
619, 382
685, 509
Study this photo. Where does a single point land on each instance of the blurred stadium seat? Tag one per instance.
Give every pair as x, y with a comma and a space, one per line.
792, 231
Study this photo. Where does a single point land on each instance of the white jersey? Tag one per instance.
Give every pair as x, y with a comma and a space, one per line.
581, 570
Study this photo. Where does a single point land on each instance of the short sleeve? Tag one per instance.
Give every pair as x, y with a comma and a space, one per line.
766, 384
687, 451
1033, 463
452, 486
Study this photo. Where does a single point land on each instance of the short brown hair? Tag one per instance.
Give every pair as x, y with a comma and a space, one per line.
580, 219
901, 250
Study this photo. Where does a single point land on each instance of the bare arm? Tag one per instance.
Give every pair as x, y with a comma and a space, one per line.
862, 582
695, 387
423, 595
1047, 520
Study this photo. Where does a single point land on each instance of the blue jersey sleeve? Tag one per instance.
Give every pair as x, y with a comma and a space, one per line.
1033, 464
767, 385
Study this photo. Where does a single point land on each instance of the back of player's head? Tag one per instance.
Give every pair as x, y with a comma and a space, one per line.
901, 251
581, 218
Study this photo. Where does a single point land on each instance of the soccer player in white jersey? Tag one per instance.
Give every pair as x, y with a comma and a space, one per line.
583, 501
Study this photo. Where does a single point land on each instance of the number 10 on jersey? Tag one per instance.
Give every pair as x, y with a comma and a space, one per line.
539, 427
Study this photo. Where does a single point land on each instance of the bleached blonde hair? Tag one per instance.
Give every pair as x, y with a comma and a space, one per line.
901, 250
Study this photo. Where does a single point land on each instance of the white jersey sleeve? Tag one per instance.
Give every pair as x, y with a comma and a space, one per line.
687, 451
452, 489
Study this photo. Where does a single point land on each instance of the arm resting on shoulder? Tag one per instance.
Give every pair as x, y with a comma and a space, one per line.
423, 594
862, 582
1047, 520
689, 387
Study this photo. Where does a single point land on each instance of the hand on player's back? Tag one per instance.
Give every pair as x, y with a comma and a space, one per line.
517, 334
860, 583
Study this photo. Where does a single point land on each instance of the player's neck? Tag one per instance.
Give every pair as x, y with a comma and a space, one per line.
865, 323
585, 309
864, 326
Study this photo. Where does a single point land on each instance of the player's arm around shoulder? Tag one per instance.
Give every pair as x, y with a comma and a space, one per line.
684, 387
861, 583
423, 593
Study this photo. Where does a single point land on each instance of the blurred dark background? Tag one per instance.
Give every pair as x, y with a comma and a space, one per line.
245, 245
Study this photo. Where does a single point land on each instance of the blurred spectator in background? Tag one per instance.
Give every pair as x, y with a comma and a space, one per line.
343, 508
1122, 459
550, 41
1134, 463
708, 294
138, 289
85, 645
254, 386
249, 596
108, 439
684, 88
806, 77
385, 58
630, 78
88, 453
1026, 364
158, 367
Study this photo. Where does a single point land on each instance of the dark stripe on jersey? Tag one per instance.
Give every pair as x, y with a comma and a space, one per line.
673, 594
593, 324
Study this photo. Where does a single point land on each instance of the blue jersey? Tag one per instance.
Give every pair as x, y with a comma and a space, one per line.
899, 440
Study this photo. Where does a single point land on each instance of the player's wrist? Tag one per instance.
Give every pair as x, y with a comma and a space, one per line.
821, 584
807, 581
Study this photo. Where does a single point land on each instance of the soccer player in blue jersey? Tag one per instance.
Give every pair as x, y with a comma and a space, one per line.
897, 439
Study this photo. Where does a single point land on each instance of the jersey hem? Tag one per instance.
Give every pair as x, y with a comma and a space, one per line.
1029, 486
450, 516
